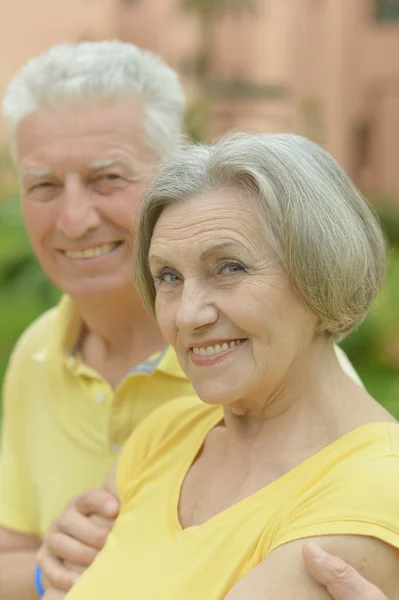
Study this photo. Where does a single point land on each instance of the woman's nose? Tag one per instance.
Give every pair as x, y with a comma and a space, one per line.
196, 309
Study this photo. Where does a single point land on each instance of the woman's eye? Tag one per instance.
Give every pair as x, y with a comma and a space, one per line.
166, 277
169, 277
230, 268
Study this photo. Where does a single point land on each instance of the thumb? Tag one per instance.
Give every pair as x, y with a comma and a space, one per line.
340, 579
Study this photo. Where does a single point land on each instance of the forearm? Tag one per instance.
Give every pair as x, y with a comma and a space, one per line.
17, 575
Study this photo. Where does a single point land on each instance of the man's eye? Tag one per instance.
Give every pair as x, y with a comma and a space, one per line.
105, 178
42, 184
108, 183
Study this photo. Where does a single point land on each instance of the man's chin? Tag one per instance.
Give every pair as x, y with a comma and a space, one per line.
94, 288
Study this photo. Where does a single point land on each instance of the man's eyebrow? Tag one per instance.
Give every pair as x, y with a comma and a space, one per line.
37, 173
97, 165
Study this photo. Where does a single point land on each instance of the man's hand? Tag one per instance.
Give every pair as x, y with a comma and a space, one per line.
341, 580
76, 537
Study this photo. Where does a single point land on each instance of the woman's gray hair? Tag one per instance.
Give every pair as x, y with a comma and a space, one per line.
96, 71
321, 228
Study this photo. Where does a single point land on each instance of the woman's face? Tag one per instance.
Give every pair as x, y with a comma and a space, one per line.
224, 302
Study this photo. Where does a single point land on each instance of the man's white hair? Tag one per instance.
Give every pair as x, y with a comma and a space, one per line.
96, 71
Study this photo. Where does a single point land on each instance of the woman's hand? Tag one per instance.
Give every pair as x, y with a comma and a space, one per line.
76, 537
341, 580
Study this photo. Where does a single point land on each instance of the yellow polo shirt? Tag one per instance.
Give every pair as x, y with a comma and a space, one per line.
63, 425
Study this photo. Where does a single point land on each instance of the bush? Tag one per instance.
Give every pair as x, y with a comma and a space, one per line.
374, 347
25, 290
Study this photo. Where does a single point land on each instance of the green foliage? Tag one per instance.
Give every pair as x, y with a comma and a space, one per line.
25, 290
213, 9
388, 214
387, 10
374, 347
196, 118
18, 266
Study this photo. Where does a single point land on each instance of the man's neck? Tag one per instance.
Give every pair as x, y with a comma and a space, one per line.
117, 334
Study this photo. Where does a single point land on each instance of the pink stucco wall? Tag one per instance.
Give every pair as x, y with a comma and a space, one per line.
27, 28
323, 68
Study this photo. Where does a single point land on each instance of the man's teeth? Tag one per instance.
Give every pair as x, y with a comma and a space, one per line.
91, 252
216, 349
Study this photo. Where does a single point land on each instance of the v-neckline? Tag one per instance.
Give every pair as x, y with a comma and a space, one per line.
175, 495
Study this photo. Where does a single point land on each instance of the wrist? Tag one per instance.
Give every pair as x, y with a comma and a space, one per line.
39, 582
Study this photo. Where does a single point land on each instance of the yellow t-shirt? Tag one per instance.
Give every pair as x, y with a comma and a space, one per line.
63, 425
350, 487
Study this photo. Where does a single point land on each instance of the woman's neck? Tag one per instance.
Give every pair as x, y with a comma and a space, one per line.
307, 409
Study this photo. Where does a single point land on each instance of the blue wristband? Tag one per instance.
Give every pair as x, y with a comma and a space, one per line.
38, 582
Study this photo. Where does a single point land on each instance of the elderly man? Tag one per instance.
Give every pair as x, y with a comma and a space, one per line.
88, 124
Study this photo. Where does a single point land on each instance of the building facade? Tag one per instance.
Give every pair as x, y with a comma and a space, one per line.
327, 69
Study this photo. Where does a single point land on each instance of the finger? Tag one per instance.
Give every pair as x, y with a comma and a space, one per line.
77, 569
98, 502
340, 579
102, 522
55, 573
84, 529
67, 548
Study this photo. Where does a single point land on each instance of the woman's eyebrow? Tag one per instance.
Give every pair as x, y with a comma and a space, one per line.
154, 259
215, 249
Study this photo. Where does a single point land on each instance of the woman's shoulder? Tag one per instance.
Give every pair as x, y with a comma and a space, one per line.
371, 440
165, 429
176, 416
355, 454
350, 488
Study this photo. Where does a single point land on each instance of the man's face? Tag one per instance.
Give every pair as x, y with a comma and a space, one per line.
82, 170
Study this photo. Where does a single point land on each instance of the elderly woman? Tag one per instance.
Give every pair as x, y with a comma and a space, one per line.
255, 255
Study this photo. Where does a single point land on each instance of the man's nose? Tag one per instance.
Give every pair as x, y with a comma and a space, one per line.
78, 213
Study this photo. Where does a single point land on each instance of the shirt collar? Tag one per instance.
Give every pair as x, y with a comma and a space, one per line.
65, 330
68, 328
165, 362
66, 335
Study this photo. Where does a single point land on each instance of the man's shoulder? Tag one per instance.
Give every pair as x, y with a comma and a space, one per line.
36, 338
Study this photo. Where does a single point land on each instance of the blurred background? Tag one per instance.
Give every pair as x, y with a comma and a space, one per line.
327, 69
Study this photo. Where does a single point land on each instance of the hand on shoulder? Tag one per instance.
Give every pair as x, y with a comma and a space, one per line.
76, 537
341, 580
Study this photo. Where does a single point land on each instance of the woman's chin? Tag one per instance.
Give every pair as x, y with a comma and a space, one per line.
213, 396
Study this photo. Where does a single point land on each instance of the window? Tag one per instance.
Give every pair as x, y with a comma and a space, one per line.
387, 10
